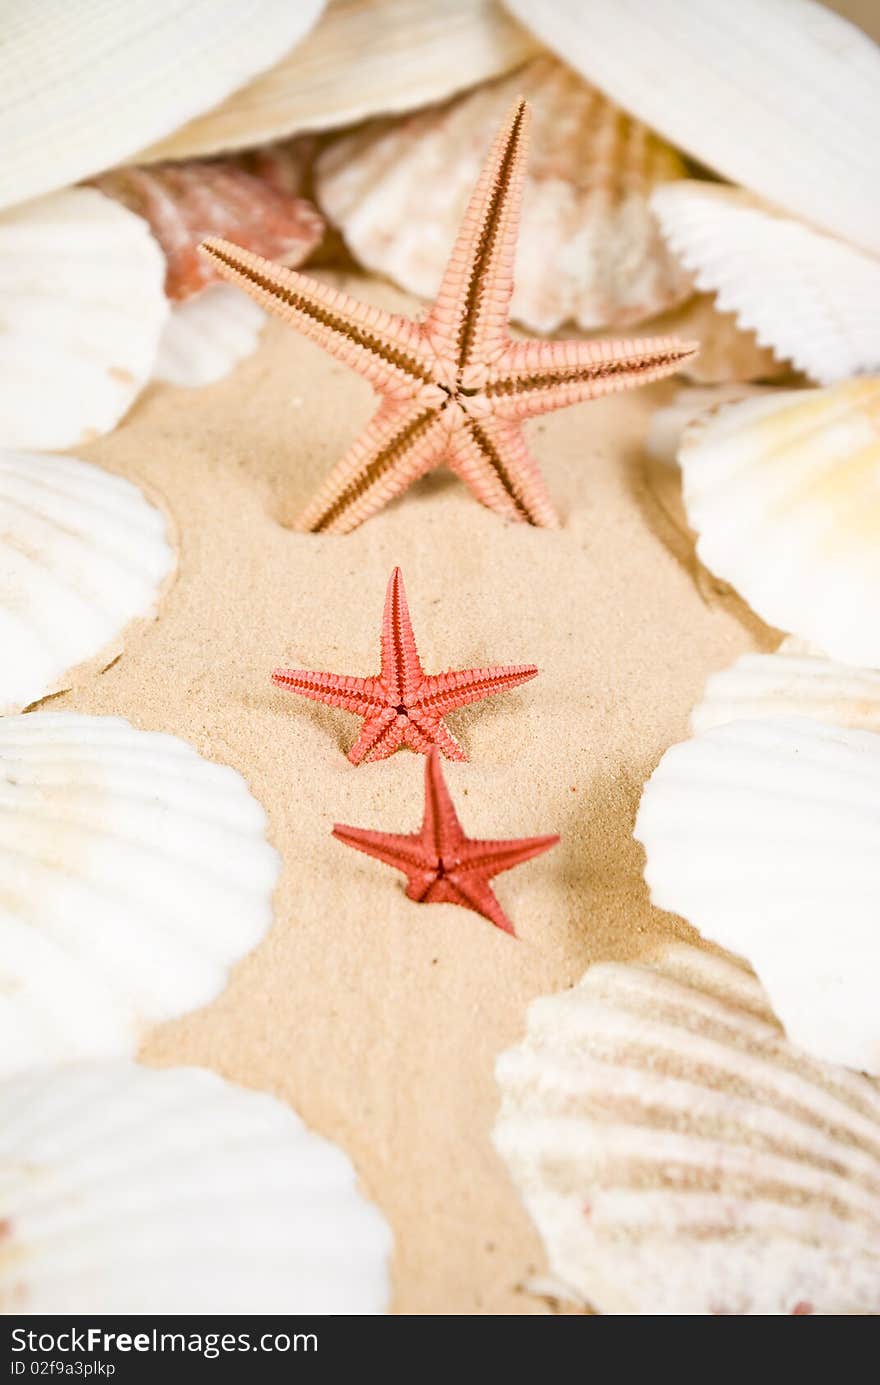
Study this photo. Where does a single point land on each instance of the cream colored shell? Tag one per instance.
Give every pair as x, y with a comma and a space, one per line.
133, 876
126, 1190
679, 1156
364, 58
86, 85
82, 307
206, 337
778, 96
811, 298
588, 251
790, 684
765, 835
784, 495
82, 553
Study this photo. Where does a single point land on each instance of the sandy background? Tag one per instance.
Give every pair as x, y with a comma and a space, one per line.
379, 1020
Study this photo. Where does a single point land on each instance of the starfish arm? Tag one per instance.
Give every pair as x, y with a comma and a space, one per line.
444, 692
384, 348
380, 736
401, 669
403, 851
535, 377
399, 444
491, 457
476, 894
429, 730
488, 858
361, 695
468, 321
441, 829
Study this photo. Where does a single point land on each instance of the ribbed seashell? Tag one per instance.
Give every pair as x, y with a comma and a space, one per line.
782, 493
813, 299
87, 85
82, 553
765, 835
780, 97
129, 1190
206, 337
680, 420
81, 310
679, 1156
365, 58
589, 250
728, 353
186, 203
133, 875
790, 684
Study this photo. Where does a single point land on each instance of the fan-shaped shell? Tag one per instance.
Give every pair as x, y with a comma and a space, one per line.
728, 353
765, 835
86, 85
813, 299
133, 875
206, 337
126, 1190
778, 96
783, 494
588, 249
679, 1156
365, 58
82, 307
790, 685
81, 554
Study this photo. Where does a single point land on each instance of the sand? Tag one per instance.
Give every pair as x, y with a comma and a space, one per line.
380, 1020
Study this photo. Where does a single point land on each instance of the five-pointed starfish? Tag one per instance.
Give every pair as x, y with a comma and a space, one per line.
441, 864
403, 705
455, 387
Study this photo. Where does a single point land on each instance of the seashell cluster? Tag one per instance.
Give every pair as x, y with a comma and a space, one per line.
589, 249
133, 875
679, 1155
82, 554
765, 834
166, 1192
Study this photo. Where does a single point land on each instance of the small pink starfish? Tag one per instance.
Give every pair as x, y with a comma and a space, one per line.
441, 864
455, 387
402, 705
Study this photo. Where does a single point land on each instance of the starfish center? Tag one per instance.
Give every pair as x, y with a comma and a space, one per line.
401, 710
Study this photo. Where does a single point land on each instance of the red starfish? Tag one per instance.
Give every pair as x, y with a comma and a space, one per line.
441, 864
403, 705
455, 387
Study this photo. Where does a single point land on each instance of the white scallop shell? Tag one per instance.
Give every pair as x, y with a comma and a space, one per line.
813, 299
133, 875
205, 337
680, 419
588, 249
82, 307
86, 85
783, 494
82, 553
778, 96
790, 685
728, 354
128, 1190
365, 58
765, 835
679, 1156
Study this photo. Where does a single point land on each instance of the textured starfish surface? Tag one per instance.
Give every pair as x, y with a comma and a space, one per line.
402, 705
455, 388
441, 864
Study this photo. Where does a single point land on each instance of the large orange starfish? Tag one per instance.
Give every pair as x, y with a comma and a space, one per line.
403, 705
455, 387
441, 864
